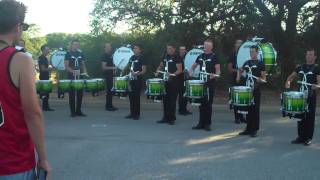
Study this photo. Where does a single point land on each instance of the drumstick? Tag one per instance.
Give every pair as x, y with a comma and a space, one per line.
308, 84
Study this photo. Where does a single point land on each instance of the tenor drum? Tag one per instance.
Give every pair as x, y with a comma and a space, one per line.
195, 89
44, 86
155, 87
120, 84
241, 96
77, 84
267, 53
64, 85
101, 84
294, 102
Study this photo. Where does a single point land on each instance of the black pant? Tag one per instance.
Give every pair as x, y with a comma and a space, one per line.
109, 84
205, 108
237, 116
306, 125
73, 101
169, 100
45, 100
134, 97
253, 121
183, 101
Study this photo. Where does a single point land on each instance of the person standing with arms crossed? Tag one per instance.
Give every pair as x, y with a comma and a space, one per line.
108, 67
21, 119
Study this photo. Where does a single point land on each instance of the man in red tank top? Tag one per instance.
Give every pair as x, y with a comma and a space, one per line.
21, 120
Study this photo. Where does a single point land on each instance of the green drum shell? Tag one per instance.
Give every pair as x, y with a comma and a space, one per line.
294, 102
155, 87
268, 56
44, 86
195, 89
120, 84
92, 85
64, 85
241, 95
77, 85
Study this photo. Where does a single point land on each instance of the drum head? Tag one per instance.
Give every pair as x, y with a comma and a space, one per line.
244, 53
155, 80
195, 82
294, 94
242, 88
121, 57
191, 58
57, 59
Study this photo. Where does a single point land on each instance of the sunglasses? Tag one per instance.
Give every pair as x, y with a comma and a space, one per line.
25, 26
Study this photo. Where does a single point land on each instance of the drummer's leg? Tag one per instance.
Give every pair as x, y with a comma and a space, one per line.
109, 84
72, 101
137, 98
165, 102
79, 101
256, 120
310, 118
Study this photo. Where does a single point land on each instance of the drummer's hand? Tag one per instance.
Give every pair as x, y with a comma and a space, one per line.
45, 165
287, 85
212, 76
190, 73
314, 87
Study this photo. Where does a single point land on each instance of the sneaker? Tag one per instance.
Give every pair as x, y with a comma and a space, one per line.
244, 133
298, 140
307, 142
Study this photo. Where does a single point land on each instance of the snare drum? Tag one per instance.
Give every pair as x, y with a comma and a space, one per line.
92, 85
294, 102
241, 96
195, 89
64, 85
155, 87
120, 84
77, 84
44, 86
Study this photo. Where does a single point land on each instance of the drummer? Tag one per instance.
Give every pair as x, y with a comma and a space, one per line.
182, 78
139, 68
213, 68
44, 75
76, 68
108, 67
174, 68
232, 68
258, 70
306, 125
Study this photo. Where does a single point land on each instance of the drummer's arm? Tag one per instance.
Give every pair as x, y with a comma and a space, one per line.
193, 67
66, 64
84, 67
144, 70
179, 69
105, 67
231, 69
239, 72
291, 78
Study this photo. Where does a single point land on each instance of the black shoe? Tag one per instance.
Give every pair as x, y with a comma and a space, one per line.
111, 109
243, 133
298, 140
81, 114
129, 116
307, 142
207, 128
171, 123
73, 115
197, 127
162, 121
254, 134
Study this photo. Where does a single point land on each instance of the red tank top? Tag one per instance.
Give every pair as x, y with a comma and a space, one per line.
17, 152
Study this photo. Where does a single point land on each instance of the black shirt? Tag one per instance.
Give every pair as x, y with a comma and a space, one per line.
256, 67
43, 61
75, 59
137, 62
312, 70
172, 62
211, 62
107, 58
233, 61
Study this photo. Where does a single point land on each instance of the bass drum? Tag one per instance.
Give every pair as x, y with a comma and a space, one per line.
267, 54
191, 58
121, 57
57, 59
